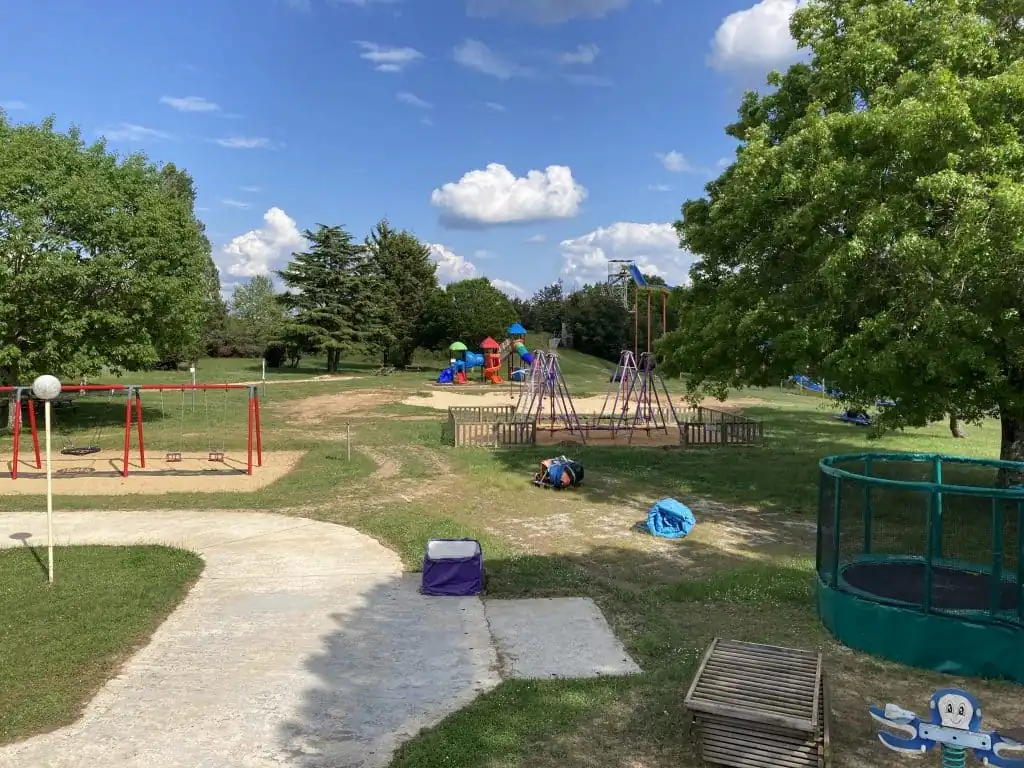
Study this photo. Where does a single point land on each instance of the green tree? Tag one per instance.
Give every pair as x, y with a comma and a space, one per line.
406, 278
439, 328
871, 228
548, 309
255, 304
330, 304
102, 260
601, 326
479, 310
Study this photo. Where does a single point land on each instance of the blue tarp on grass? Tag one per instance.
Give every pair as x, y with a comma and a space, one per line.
670, 519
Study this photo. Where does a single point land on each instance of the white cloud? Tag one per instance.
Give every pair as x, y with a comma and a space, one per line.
676, 162
234, 203
659, 188
495, 196
484, 255
251, 189
756, 38
654, 247
189, 103
494, 106
244, 142
253, 253
413, 100
584, 54
14, 105
474, 54
544, 11
133, 132
450, 266
537, 239
388, 58
510, 289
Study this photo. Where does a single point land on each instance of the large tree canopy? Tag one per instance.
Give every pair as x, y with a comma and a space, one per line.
871, 229
330, 305
102, 261
406, 279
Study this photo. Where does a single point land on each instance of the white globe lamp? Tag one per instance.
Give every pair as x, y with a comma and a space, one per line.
47, 388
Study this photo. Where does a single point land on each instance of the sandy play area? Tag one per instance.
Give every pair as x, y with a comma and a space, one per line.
100, 475
654, 438
442, 401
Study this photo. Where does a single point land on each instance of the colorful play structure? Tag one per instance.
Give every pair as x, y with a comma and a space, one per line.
952, 727
490, 359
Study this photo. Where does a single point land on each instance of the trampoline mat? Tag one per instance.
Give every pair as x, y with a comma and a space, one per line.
952, 590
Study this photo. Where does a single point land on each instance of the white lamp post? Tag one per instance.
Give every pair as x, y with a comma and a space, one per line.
46, 388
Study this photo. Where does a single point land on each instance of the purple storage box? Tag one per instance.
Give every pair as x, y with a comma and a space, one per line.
453, 567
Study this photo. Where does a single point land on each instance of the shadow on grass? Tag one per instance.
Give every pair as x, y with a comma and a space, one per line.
401, 662
780, 476
665, 626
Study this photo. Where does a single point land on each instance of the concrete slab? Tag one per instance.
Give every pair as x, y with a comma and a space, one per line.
302, 645
563, 637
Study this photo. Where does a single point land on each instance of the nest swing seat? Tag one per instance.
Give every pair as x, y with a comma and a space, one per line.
80, 450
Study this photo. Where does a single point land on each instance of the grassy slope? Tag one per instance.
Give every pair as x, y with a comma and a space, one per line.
60, 643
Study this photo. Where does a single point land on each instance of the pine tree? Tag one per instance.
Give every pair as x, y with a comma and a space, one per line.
330, 296
406, 280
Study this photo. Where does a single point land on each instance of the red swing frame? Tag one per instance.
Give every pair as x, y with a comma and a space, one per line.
132, 417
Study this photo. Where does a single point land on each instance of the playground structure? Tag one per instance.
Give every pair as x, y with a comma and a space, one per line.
856, 416
637, 400
490, 360
545, 399
638, 407
73, 395
920, 560
623, 274
953, 725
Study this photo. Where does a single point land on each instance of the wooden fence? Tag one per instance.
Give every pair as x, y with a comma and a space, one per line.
477, 430
723, 433
494, 426
467, 413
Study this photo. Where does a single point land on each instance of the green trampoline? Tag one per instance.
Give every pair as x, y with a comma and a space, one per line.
920, 560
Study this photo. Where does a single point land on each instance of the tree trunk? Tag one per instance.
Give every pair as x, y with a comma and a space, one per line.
13, 373
1011, 447
954, 427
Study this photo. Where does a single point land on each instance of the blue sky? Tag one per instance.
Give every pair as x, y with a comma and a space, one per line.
525, 140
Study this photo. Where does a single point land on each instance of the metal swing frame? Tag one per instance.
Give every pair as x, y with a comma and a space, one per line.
133, 421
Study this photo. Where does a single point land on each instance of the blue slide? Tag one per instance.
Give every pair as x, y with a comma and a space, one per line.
638, 277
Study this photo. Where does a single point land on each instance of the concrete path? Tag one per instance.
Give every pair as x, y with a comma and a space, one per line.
302, 645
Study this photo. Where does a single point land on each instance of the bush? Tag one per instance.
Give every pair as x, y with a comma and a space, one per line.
275, 355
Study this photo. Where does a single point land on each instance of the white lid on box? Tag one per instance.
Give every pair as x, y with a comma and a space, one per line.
446, 549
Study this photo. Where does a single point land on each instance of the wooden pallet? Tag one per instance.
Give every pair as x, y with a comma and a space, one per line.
760, 706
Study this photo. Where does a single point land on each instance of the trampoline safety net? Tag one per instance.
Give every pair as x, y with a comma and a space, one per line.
935, 533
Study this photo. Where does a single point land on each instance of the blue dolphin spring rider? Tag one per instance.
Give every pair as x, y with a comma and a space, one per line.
953, 725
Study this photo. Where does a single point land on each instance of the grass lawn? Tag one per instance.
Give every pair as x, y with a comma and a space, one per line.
745, 572
60, 643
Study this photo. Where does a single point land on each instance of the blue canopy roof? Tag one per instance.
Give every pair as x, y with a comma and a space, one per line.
516, 330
